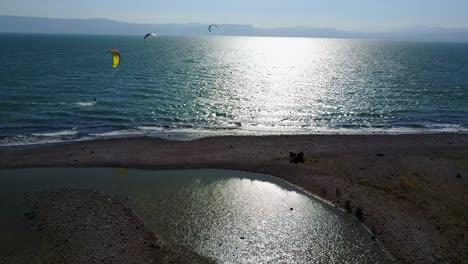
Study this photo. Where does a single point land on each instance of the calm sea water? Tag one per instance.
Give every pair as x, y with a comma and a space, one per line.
187, 87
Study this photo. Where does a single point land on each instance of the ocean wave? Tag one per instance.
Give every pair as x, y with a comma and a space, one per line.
31, 140
119, 133
85, 104
152, 128
57, 134
195, 133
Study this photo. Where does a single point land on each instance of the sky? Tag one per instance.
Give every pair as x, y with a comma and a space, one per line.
360, 15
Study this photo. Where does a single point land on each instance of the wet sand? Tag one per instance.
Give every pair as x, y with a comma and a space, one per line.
410, 190
92, 227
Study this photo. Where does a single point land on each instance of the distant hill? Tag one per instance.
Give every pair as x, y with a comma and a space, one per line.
14, 24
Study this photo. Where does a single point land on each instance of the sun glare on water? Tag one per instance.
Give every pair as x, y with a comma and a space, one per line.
272, 79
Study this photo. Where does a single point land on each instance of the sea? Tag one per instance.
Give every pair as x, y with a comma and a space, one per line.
62, 88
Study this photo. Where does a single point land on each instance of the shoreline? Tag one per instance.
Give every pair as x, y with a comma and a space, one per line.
55, 138
410, 189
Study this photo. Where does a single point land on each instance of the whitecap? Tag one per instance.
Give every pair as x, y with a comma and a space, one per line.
152, 128
84, 104
119, 133
57, 134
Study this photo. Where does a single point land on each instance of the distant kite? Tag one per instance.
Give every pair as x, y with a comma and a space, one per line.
116, 57
212, 25
150, 35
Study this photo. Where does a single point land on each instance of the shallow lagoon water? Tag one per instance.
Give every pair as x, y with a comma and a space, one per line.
231, 216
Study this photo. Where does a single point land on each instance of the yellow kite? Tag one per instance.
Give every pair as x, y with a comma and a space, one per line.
116, 56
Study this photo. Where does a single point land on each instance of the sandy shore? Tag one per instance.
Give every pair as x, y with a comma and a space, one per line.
91, 227
412, 190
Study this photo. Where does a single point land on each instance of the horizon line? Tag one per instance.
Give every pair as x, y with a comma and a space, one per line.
420, 26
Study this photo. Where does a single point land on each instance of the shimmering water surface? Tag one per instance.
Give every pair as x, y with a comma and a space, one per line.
195, 86
231, 216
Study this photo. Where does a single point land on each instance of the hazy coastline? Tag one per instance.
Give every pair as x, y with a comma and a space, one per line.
35, 25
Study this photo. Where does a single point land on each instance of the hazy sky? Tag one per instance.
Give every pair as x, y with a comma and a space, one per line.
341, 14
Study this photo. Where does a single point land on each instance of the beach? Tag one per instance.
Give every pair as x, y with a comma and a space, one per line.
91, 227
411, 191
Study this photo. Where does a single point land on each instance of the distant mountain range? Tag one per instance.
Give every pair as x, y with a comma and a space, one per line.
15, 24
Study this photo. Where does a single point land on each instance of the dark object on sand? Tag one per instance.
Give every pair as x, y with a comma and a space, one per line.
359, 214
324, 191
347, 206
291, 209
458, 176
296, 157
338, 192
380, 155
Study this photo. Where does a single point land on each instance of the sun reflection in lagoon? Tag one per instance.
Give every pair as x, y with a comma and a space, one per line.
231, 216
